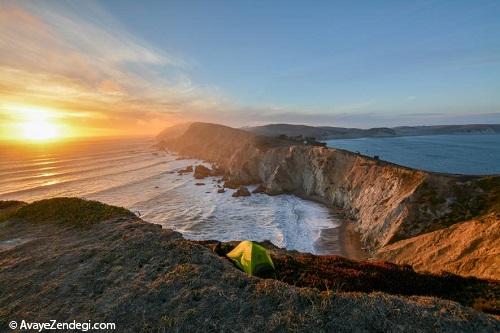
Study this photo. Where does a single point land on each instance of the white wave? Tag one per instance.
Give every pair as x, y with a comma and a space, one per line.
151, 187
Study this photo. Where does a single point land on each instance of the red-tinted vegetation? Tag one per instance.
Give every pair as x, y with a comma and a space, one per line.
338, 274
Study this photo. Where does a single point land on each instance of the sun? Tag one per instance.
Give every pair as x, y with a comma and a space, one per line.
35, 124
39, 130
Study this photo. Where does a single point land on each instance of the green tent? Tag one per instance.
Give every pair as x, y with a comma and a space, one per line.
251, 258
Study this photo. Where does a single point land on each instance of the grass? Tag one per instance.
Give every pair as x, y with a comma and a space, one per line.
341, 274
68, 211
470, 200
474, 200
338, 274
491, 185
9, 208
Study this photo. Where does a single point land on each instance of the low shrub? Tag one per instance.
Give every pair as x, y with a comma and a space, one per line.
9, 208
68, 211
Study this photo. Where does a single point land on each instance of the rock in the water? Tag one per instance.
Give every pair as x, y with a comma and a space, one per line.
201, 171
221, 190
232, 184
199, 184
241, 192
260, 189
187, 169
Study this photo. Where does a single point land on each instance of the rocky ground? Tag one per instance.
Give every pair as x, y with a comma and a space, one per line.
69, 259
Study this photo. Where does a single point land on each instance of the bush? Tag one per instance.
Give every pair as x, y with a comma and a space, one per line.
9, 208
69, 211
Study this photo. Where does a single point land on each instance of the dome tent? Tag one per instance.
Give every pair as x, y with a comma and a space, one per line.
252, 258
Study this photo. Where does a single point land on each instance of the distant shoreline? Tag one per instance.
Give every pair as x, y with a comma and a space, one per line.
471, 154
331, 133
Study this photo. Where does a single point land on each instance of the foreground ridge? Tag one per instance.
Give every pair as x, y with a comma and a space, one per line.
147, 279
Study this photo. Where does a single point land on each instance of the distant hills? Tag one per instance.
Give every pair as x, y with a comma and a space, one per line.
327, 132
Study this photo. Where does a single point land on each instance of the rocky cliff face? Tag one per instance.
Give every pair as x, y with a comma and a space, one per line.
389, 202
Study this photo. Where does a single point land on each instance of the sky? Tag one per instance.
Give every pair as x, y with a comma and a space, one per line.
133, 67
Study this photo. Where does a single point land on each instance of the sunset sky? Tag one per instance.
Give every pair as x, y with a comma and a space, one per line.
85, 68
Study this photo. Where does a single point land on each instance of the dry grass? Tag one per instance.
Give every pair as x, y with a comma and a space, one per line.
148, 279
9, 208
338, 274
68, 211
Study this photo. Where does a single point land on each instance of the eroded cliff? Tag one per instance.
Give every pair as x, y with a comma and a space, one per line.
389, 202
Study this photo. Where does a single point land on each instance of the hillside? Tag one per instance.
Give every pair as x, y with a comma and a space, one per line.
389, 203
68, 259
327, 132
466, 248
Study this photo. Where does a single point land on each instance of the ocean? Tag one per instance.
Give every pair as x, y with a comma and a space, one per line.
459, 154
132, 174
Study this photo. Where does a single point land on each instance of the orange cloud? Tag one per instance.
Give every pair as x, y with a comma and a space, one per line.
50, 56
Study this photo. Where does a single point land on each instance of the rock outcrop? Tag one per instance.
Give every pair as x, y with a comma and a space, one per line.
242, 191
388, 201
232, 184
201, 171
69, 259
187, 169
260, 189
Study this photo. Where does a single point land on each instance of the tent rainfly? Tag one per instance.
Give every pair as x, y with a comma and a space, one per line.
251, 258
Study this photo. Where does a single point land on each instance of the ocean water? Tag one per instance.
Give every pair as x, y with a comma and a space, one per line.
132, 174
460, 154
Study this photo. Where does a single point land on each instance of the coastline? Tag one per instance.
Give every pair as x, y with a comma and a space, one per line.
344, 237
350, 242
341, 240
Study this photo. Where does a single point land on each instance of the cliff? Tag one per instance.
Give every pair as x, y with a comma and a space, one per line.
389, 202
68, 259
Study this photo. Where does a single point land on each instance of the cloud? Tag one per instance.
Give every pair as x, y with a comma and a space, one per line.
82, 61
76, 58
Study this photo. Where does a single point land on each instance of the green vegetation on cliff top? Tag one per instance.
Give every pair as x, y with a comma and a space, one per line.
62, 211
